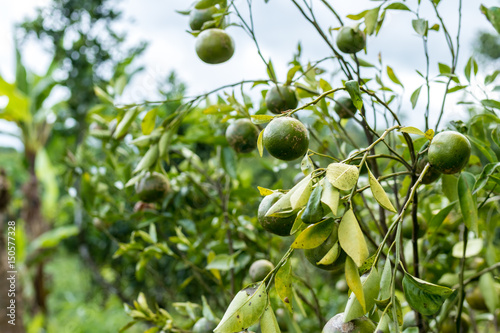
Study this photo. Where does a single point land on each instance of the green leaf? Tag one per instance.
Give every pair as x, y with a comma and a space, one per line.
439, 218
125, 123
424, 297
244, 310
474, 247
352, 87
420, 26
268, 322
356, 17
487, 172
471, 65
18, 108
371, 18
354, 282
493, 15
314, 209
330, 196
379, 193
342, 176
204, 4
314, 235
270, 71
207, 310
371, 285
261, 118
228, 161
222, 262
467, 203
414, 97
484, 148
397, 6
411, 130
487, 287
449, 187
392, 76
291, 73
260, 144
148, 122
53, 237
444, 69
385, 281
103, 96
218, 109
351, 238
490, 103
148, 160
283, 284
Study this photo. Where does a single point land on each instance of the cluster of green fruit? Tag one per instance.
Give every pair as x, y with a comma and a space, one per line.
213, 44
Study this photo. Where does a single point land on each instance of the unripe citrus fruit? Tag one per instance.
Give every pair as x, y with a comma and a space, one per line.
476, 299
407, 230
286, 138
152, 187
259, 269
449, 152
432, 173
351, 40
242, 135
449, 325
344, 107
199, 16
281, 98
359, 325
280, 226
203, 325
316, 254
214, 46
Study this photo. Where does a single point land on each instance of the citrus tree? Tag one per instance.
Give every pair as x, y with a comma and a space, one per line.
316, 207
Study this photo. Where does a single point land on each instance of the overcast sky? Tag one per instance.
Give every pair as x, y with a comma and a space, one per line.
279, 26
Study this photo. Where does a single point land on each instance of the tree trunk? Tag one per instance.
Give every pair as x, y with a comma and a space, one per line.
5, 298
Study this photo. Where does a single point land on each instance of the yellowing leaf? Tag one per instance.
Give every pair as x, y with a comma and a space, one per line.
244, 310
264, 191
353, 281
330, 196
411, 130
283, 284
342, 176
261, 118
268, 322
351, 238
301, 193
148, 122
314, 235
354, 308
260, 145
379, 193
331, 255
429, 134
